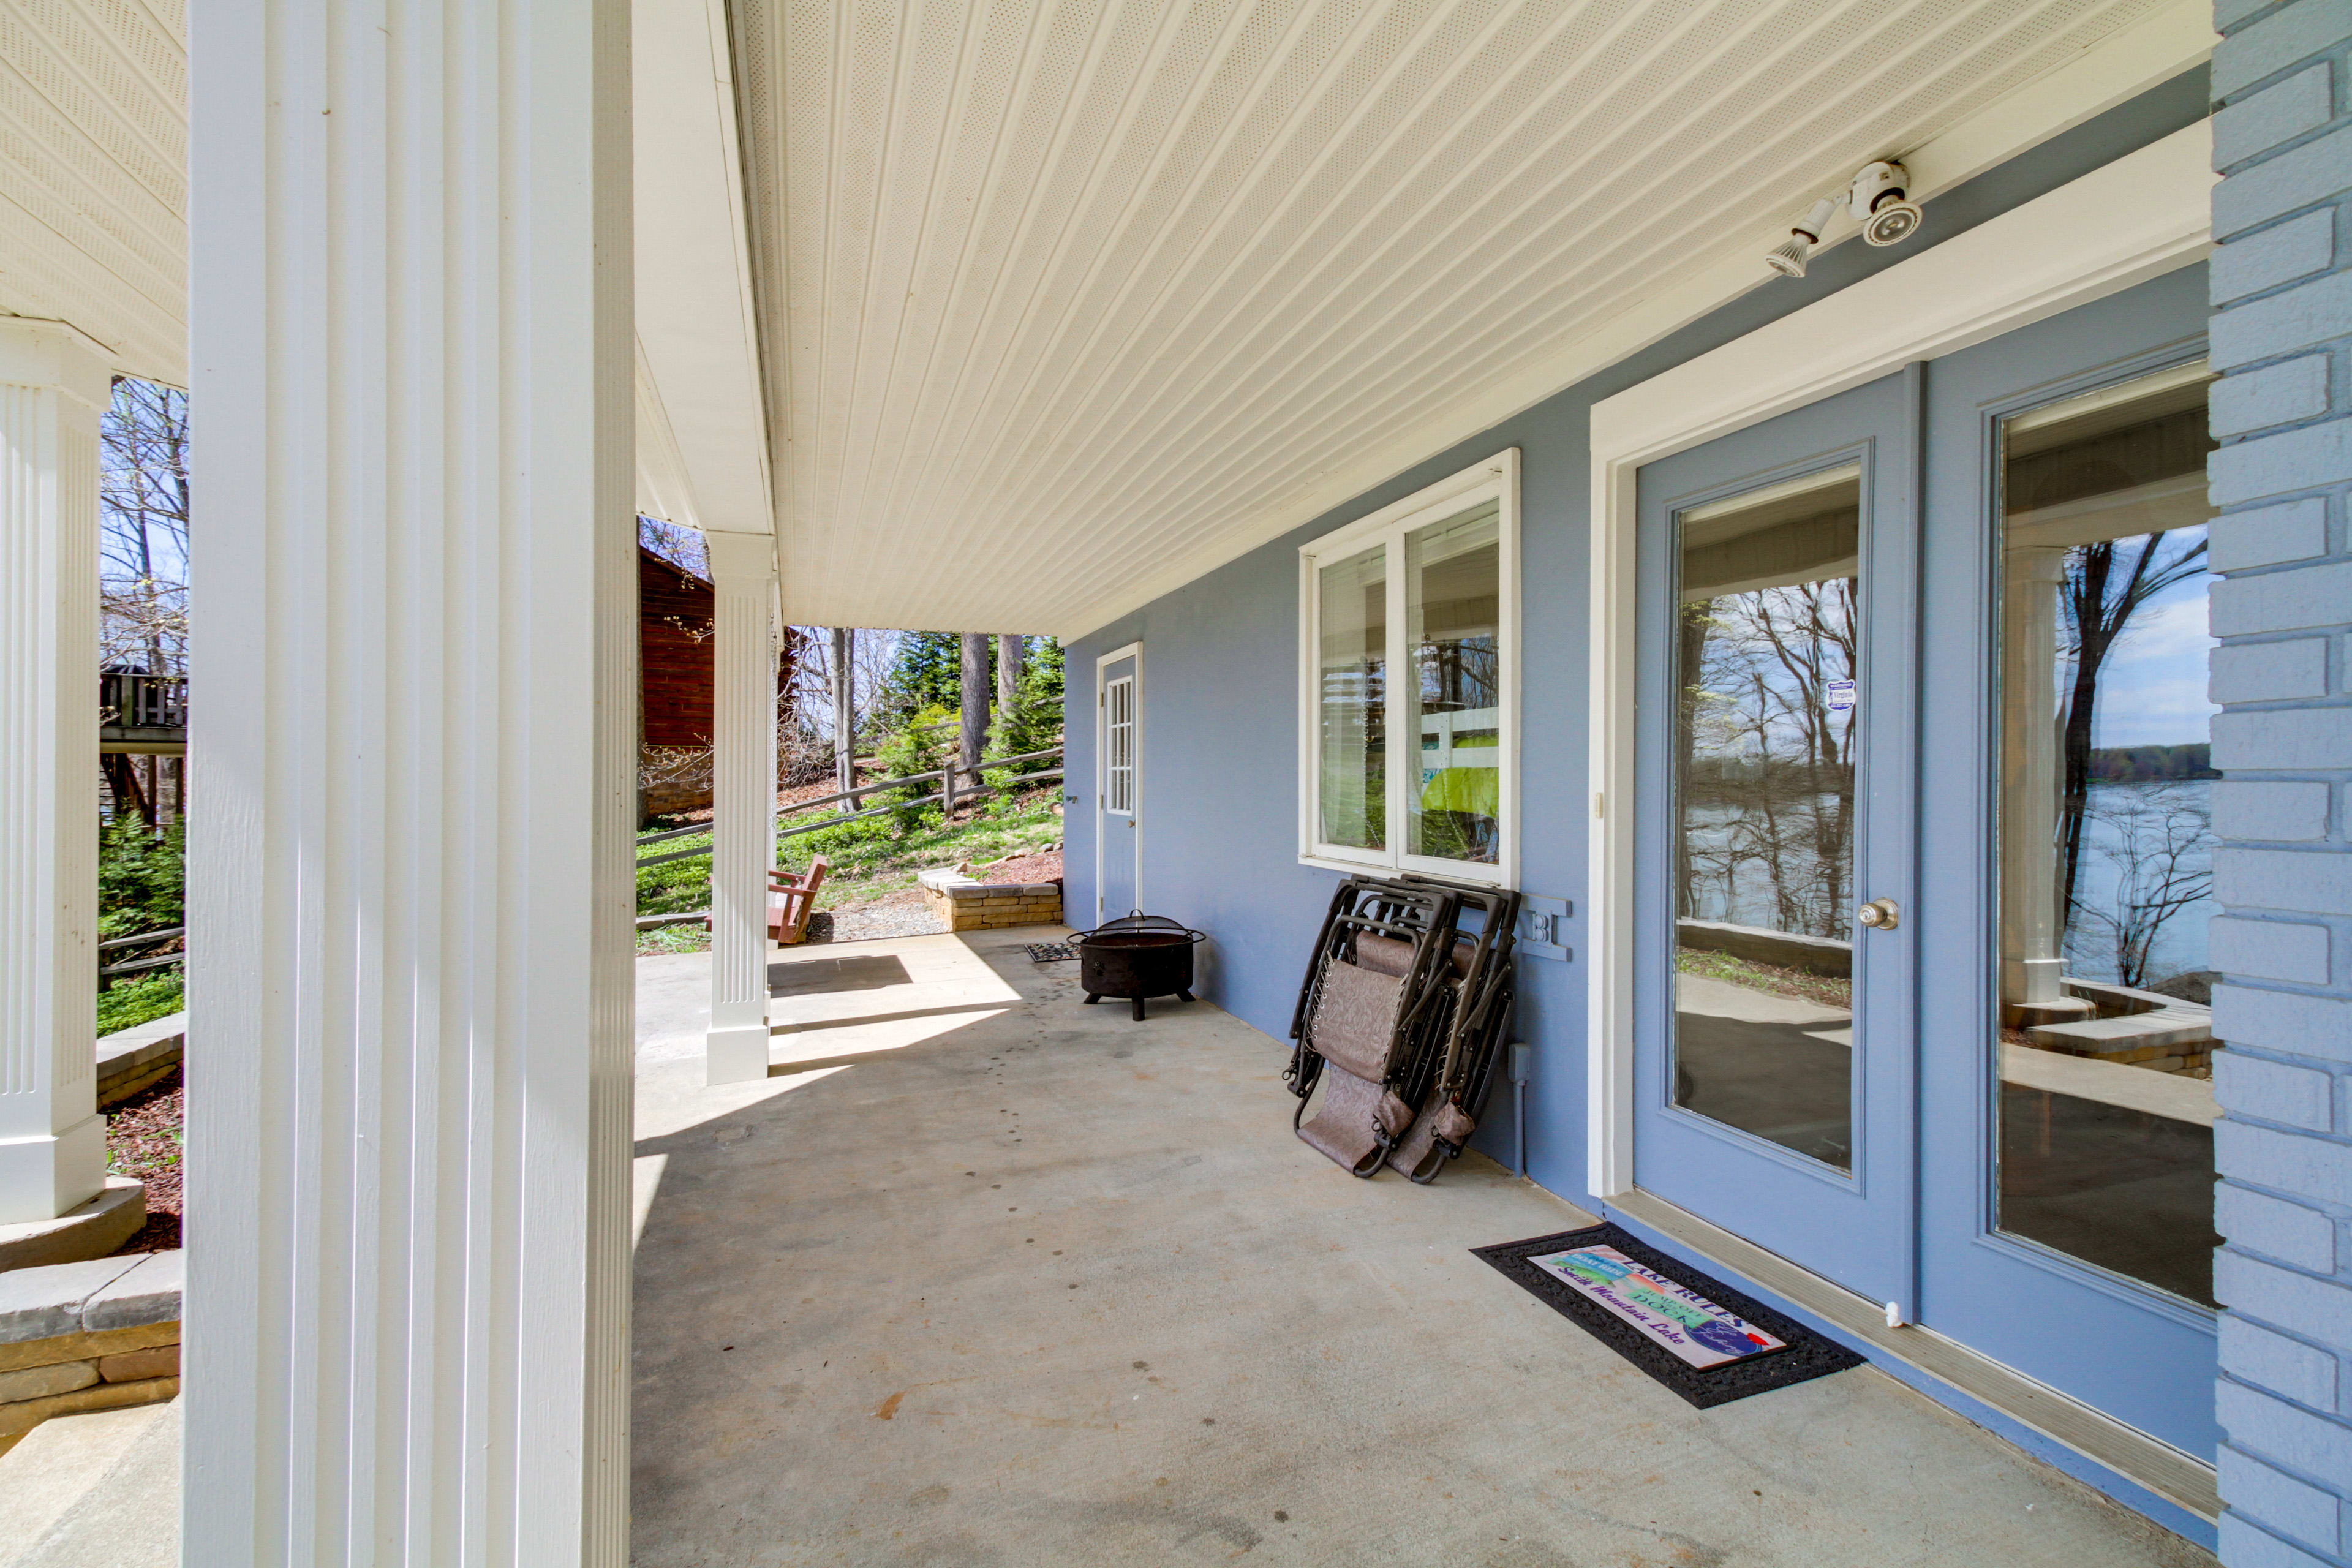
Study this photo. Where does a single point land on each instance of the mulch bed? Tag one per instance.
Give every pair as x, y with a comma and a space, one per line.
1031, 870
142, 1139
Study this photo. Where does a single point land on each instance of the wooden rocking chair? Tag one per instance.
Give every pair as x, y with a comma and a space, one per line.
791, 900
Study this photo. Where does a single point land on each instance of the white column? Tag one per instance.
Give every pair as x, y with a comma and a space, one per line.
53, 385
415, 592
742, 802
2030, 962
844, 712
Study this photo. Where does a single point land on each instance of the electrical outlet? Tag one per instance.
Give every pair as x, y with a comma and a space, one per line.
1543, 927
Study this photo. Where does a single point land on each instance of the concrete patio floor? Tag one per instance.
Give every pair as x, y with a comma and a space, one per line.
983, 1275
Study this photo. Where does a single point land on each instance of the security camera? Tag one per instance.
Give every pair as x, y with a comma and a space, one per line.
1788, 259
1880, 203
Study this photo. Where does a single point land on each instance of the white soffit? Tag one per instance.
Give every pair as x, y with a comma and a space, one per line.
702, 456
1066, 302
93, 174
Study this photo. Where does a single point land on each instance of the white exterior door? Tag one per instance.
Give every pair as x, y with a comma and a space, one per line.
1118, 783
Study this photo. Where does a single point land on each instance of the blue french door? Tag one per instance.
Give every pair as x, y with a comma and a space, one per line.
1774, 1036
2065, 859
1924, 848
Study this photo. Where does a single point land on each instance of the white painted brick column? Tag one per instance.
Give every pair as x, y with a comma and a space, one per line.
742, 802
53, 386
2282, 337
415, 634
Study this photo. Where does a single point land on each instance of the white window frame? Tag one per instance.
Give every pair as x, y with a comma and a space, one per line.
1495, 479
1118, 764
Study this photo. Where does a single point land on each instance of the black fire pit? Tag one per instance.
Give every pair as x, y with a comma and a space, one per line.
1136, 956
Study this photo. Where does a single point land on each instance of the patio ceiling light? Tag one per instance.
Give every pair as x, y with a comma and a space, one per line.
1877, 198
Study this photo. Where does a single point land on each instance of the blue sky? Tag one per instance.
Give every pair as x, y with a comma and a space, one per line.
2152, 686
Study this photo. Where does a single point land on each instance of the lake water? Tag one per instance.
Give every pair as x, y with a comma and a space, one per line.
2134, 832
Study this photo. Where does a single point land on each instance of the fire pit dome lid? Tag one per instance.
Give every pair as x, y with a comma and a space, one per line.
1135, 922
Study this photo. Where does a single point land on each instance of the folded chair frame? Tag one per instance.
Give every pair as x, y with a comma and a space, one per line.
1400, 1020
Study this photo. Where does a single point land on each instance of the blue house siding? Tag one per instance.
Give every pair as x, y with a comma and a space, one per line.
1221, 777
2281, 335
1220, 667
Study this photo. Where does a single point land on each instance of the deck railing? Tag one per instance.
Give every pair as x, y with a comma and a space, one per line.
131, 704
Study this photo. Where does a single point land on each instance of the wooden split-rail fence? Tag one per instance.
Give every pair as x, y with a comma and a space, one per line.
958, 784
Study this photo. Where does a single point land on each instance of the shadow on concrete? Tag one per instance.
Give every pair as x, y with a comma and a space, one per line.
866, 972
865, 1019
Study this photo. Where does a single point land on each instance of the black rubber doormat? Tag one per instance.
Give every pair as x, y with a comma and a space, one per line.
1049, 952
1698, 1336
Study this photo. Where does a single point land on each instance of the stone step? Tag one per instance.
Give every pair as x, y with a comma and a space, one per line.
102, 1488
2138, 1031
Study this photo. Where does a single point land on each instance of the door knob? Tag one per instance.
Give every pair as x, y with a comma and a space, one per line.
1880, 914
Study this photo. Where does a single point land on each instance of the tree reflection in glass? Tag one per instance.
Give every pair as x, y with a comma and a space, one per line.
1453, 610
1352, 703
2106, 833
1766, 725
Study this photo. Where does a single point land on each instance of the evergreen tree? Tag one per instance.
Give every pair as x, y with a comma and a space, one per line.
928, 673
1036, 717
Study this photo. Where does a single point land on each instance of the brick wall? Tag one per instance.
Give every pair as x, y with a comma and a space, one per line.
674, 652
2282, 337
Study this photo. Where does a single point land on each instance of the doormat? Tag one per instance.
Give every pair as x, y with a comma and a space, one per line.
1047, 952
1698, 1336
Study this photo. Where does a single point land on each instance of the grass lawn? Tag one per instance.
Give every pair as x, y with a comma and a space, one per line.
864, 860
1829, 990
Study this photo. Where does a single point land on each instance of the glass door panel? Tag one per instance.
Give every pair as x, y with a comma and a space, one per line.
2107, 831
1769, 624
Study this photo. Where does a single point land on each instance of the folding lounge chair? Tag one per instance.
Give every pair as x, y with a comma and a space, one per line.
1364, 1024
1452, 1094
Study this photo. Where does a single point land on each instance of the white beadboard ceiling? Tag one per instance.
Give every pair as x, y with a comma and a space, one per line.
93, 173
1065, 301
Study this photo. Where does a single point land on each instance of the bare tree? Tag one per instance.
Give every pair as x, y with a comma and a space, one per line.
1763, 742
2159, 840
2106, 585
842, 676
143, 566
674, 543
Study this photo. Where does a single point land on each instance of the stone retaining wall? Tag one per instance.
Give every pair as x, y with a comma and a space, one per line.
130, 1059
966, 903
87, 1336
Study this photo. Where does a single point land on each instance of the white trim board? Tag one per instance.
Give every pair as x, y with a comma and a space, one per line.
1133, 650
2176, 39
2139, 216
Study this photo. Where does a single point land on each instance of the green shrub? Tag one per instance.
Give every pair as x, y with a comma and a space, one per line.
141, 878
923, 744
141, 999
